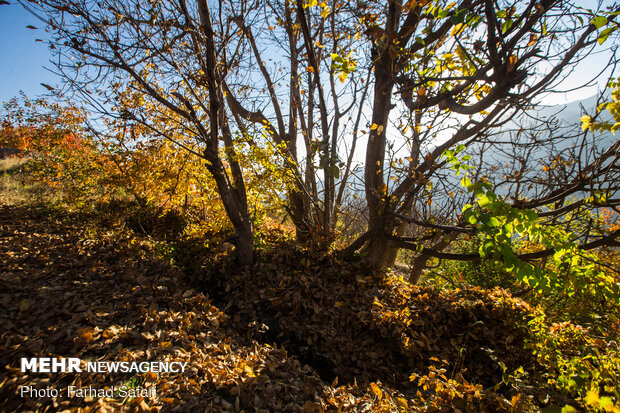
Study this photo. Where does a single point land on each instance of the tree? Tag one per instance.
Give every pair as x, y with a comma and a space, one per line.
455, 74
423, 78
169, 53
197, 77
310, 93
52, 137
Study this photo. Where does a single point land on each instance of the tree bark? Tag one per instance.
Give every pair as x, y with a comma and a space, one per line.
380, 222
233, 193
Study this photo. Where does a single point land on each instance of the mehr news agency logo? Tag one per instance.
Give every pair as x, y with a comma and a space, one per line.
76, 365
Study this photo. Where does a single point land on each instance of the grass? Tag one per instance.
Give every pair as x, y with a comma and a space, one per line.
14, 186
11, 164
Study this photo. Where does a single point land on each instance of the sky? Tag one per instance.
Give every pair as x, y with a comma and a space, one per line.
23, 59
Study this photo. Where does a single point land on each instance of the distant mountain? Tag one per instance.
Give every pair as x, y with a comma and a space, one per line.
567, 116
570, 112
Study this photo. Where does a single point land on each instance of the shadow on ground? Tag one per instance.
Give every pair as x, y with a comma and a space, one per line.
296, 332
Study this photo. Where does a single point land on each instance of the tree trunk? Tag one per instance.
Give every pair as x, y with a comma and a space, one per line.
233, 193
379, 253
300, 215
245, 251
418, 265
237, 212
377, 197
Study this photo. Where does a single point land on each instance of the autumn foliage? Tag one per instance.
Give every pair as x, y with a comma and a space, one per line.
199, 199
300, 329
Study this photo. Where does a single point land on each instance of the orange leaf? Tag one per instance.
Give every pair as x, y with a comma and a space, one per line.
376, 390
512, 61
86, 334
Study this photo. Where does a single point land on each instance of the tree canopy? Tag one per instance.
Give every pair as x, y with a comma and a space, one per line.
433, 89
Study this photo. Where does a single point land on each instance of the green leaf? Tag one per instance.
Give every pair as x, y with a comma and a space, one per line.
337, 58
599, 21
606, 401
494, 222
459, 17
605, 34
531, 215
507, 25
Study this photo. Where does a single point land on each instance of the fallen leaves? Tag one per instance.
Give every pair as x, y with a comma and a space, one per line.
299, 331
131, 307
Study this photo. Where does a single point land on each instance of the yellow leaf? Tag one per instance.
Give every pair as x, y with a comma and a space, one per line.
512, 61
380, 130
325, 10
165, 344
376, 390
86, 334
383, 188
248, 370
24, 305
586, 122
402, 402
310, 69
415, 3
458, 29
311, 407
592, 397
374, 126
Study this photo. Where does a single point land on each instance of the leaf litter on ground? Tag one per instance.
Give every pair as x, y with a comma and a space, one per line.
299, 331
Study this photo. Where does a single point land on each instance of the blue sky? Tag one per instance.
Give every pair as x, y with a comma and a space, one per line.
22, 59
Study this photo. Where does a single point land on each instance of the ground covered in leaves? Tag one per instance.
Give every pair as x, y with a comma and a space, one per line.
297, 332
